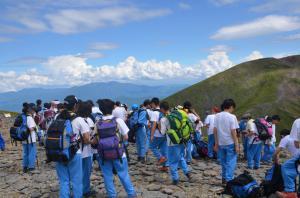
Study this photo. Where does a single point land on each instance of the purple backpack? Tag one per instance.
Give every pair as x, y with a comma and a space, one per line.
109, 145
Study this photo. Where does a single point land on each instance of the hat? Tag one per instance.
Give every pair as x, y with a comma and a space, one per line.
134, 107
71, 100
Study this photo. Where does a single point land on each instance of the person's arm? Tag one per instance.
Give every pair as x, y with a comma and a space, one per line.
216, 147
235, 139
154, 125
277, 155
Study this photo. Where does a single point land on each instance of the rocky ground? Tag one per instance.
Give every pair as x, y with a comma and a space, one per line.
147, 179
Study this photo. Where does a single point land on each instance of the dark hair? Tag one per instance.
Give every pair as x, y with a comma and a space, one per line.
25, 104
147, 102
60, 106
276, 117
25, 108
284, 132
187, 105
84, 109
90, 102
47, 105
155, 101
39, 102
165, 105
118, 103
227, 103
106, 106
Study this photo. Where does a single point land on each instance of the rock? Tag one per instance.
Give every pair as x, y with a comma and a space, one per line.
147, 173
36, 194
210, 173
153, 187
167, 191
179, 194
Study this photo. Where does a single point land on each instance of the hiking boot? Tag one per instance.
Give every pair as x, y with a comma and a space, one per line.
286, 194
175, 182
162, 160
25, 170
224, 182
164, 169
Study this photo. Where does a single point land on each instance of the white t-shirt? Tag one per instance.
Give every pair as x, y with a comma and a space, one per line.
87, 149
295, 132
120, 112
273, 140
122, 127
224, 123
252, 128
209, 121
31, 124
80, 126
288, 143
155, 118
164, 127
193, 118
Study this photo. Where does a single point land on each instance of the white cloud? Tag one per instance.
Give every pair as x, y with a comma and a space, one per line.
103, 46
254, 55
292, 37
223, 2
5, 39
184, 6
290, 6
91, 55
74, 70
262, 26
222, 48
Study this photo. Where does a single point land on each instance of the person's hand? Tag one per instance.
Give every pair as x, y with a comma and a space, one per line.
151, 138
237, 148
216, 148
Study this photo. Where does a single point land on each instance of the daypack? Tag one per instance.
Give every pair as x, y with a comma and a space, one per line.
201, 149
181, 127
264, 129
2, 143
19, 131
273, 181
96, 116
60, 144
243, 186
109, 145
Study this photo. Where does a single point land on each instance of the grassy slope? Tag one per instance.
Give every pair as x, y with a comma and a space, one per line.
265, 86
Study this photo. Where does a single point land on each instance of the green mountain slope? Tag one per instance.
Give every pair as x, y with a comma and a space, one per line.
262, 87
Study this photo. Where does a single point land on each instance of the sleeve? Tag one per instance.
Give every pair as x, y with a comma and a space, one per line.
193, 118
234, 123
283, 143
30, 122
206, 122
164, 125
123, 129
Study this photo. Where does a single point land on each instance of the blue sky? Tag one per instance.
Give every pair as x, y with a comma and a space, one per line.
66, 42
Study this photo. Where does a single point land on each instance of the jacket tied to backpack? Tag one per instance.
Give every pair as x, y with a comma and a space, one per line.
110, 146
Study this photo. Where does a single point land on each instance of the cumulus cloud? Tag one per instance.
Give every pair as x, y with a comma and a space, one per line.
262, 26
254, 55
74, 70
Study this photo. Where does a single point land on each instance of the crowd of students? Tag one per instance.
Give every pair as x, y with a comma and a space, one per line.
150, 124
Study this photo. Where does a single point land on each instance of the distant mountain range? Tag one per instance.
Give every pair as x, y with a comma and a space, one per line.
124, 92
262, 87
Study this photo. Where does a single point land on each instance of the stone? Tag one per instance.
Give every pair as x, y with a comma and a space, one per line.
153, 187
36, 194
147, 173
167, 191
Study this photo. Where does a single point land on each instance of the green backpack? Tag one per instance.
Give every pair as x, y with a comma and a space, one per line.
181, 127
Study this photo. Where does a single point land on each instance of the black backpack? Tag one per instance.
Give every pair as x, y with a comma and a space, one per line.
273, 181
243, 186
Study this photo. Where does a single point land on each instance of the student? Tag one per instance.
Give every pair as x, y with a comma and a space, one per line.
289, 171
83, 112
158, 143
119, 111
195, 119
39, 106
119, 165
243, 131
70, 174
225, 126
269, 147
147, 106
209, 123
295, 132
29, 146
175, 151
254, 145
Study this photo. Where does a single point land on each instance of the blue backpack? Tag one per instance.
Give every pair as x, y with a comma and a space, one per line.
19, 131
243, 186
60, 143
2, 143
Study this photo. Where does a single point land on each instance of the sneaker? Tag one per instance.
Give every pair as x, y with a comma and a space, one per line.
164, 169
162, 160
175, 182
224, 182
25, 170
286, 194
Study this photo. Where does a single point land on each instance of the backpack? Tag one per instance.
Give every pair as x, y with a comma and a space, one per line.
47, 119
273, 181
243, 186
201, 149
180, 127
19, 131
60, 144
109, 145
96, 116
264, 129
2, 143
